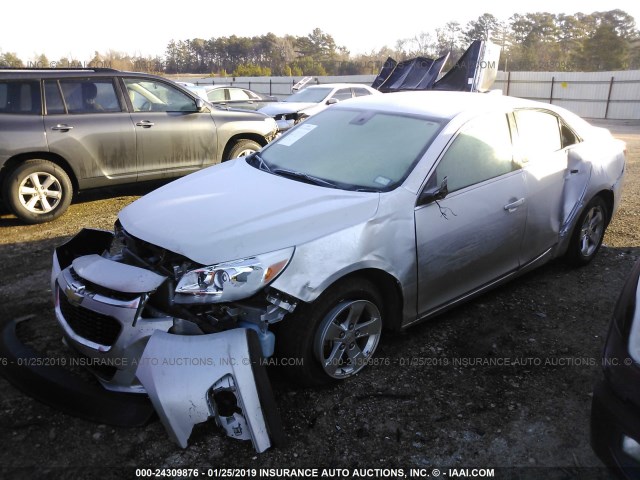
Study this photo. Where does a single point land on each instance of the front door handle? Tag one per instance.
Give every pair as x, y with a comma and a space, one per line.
145, 124
511, 207
62, 127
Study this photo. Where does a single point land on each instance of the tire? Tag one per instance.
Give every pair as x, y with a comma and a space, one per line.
323, 342
37, 191
242, 148
588, 233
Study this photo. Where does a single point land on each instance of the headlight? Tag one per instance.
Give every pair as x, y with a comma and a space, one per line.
229, 281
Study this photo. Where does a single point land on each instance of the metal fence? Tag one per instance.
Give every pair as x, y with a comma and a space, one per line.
607, 95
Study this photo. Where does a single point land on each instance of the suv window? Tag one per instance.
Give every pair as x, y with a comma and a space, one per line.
20, 97
482, 150
89, 96
152, 96
53, 97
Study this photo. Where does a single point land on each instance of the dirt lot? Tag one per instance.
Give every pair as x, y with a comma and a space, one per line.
428, 404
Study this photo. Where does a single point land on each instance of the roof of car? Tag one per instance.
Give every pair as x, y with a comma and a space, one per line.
337, 85
441, 104
36, 73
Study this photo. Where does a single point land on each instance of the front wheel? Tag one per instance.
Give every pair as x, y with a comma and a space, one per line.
242, 148
334, 337
588, 233
37, 191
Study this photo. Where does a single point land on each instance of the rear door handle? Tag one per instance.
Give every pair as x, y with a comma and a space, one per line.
511, 207
145, 124
62, 127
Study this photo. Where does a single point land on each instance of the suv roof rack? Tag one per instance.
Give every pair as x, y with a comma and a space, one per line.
57, 69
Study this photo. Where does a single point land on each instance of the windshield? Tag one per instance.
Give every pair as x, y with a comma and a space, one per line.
353, 149
309, 95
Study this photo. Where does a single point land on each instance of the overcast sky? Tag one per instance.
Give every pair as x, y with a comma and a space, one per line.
76, 29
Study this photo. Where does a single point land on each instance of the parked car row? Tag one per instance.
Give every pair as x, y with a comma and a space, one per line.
67, 130
292, 110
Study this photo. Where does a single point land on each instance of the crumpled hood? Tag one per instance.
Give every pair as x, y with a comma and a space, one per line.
286, 107
233, 210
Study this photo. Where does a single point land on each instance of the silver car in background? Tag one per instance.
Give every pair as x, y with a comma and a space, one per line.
311, 100
377, 213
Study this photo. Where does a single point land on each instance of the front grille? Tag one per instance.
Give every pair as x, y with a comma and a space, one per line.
93, 326
107, 292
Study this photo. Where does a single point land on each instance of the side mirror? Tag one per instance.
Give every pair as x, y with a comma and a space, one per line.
434, 194
200, 105
332, 101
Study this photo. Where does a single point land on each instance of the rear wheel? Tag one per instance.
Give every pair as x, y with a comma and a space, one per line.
334, 337
37, 191
588, 233
242, 148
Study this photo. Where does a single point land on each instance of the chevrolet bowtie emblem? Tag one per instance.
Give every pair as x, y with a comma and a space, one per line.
74, 293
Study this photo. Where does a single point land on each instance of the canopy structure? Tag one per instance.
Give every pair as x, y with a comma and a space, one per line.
475, 71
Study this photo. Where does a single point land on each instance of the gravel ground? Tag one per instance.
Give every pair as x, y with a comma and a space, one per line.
431, 402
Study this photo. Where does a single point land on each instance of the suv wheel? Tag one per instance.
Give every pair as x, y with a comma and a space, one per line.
242, 148
37, 191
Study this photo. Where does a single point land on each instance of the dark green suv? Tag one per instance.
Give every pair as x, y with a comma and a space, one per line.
67, 130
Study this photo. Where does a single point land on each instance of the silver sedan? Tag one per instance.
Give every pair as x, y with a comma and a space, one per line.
382, 211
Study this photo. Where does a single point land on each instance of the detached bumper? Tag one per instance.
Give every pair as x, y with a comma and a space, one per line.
192, 378
63, 390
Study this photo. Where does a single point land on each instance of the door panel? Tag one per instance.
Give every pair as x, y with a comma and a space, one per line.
173, 138
472, 236
470, 239
96, 136
545, 165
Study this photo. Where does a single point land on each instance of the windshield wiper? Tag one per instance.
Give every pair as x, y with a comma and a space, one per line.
262, 165
304, 176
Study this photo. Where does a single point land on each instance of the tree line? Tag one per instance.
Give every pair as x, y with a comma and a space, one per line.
541, 41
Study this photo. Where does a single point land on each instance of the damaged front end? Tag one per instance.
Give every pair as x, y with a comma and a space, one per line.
286, 121
191, 337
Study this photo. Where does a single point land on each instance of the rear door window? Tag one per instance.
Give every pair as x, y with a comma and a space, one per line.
20, 97
90, 95
238, 94
53, 97
342, 94
361, 92
538, 134
216, 95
